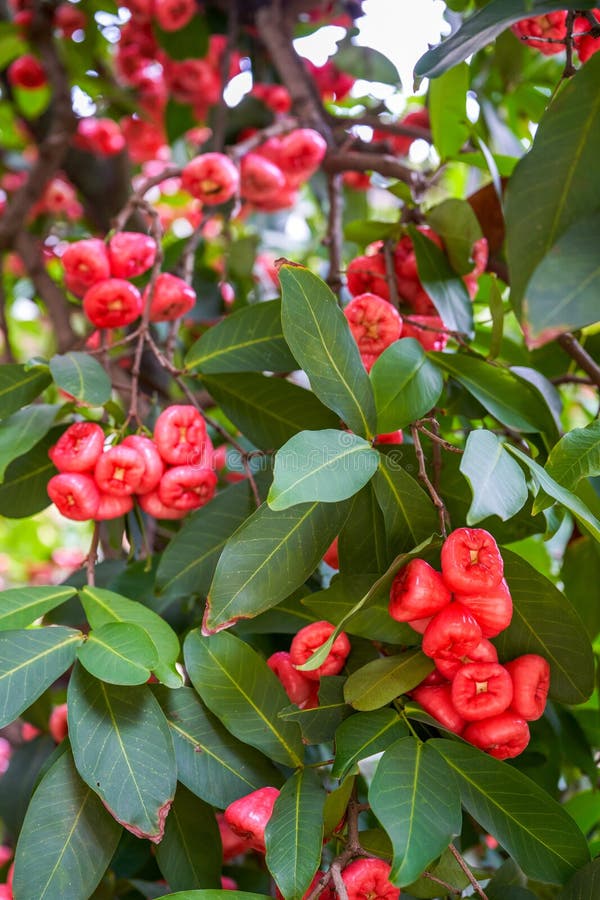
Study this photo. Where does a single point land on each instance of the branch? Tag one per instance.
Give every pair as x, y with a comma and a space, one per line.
437, 500
571, 345
362, 161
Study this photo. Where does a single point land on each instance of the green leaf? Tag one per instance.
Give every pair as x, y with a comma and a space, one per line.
23, 492
405, 383
190, 558
324, 465
22, 606
575, 456
294, 834
550, 188
119, 653
366, 63
268, 557
30, 661
555, 490
319, 724
191, 41
123, 750
458, 227
67, 840
496, 305
267, 410
509, 398
179, 118
496, 480
410, 516
363, 735
19, 385
82, 376
382, 680
250, 340
211, 762
448, 111
362, 544
531, 826
22, 430
585, 884
414, 796
365, 231
213, 895
580, 568
480, 29
239, 687
562, 294
446, 289
320, 339
11, 43
189, 854
544, 622
32, 102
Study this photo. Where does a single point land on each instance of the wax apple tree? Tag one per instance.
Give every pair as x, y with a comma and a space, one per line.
299, 453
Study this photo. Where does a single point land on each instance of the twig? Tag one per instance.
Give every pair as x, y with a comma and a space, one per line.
92, 556
364, 161
571, 345
390, 272
222, 109
392, 128
437, 500
571, 379
7, 355
334, 240
352, 849
474, 883
449, 887
569, 68
437, 439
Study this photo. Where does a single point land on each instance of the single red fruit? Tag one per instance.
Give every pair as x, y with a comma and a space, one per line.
504, 736
369, 879
85, 264
261, 179
309, 639
493, 609
187, 487
100, 136
480, 690
484, 652
172, 15
112, 303
153, 506
26, 72
302, 691
57, 723
153, 464
374, 323
300, 153
367, 275
233, 845
119, 471
331, 555
131, 253
531, 680
453, 632
471, 561
172, 297
248, 816
390, 437
436, 699
78, 448
180, 435
211, 178
427, 330
417, 591
113, 507
75, 495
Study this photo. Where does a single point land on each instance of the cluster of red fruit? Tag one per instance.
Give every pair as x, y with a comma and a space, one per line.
374, 322
247, 818
548, 33
98, 272
169, 474
457, 611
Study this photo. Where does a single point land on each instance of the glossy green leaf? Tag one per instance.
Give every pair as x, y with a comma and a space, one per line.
550, 188
365, 63
509, 398
213, 895
458, 227
22, 430
363, 735
19, 385
30, 661
446, 289
410, 516
123, 750
23, 491
294, 834
319, 337
406, 385
336, 802
496, 480
82, 376
382, 680
319, 724
189, 854
362, 543
119, 653
324, 465
531, 826
189, 560
268, 557
575, 456
584, 885
67, 840
480, 29
192, 40
551, 487
22, 606
268, 411
414, 795
580, 569
241, 690
450, 126
250, 340
544, 622
211, 762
